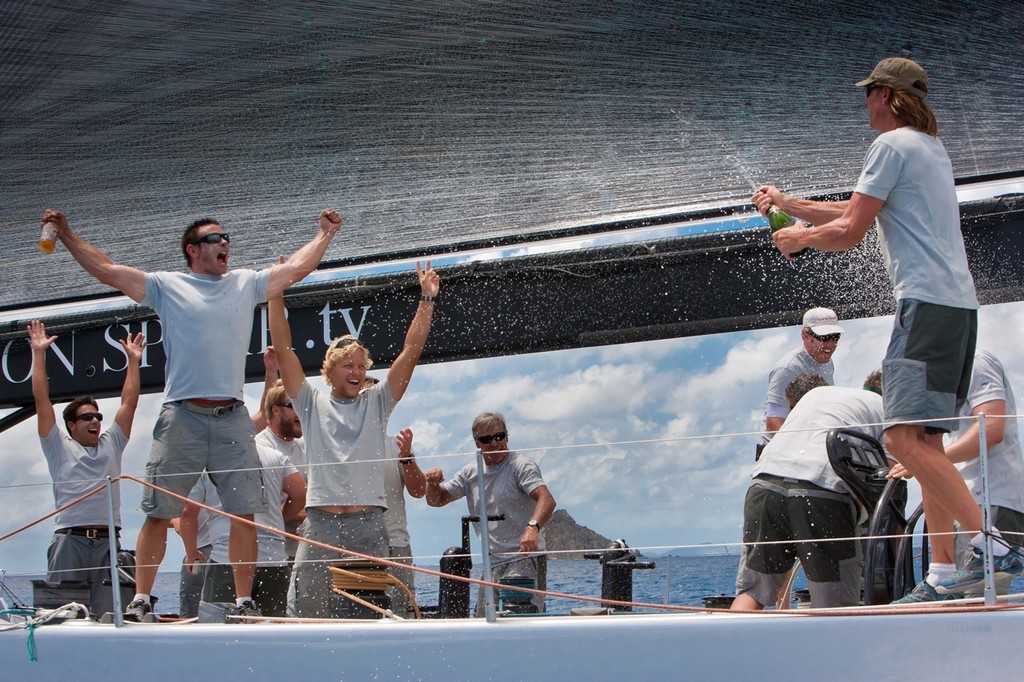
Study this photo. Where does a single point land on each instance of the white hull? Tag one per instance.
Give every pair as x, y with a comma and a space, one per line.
940, 646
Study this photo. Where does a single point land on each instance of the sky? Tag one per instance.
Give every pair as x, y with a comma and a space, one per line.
651, 442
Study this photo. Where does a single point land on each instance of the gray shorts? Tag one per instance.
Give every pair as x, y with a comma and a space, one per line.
309, 595
76, 558
188, 439
779, 510
927, 368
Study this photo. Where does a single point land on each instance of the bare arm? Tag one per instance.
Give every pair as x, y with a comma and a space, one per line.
305, 260
133, 347
401, 370
292, 375
295, 488
543, 508
436, 495
773, 424
130, 281
45, 416
840, 234
412, 476
816, 212
270, 373
968, 446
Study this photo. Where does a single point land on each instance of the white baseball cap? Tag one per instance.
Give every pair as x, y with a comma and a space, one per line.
822, 321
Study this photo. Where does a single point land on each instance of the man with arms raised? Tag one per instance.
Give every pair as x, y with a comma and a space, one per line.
345, 432
206, 316
906, 184
78, 463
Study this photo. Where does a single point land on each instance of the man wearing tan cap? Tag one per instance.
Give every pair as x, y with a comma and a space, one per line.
820, 336
906, 184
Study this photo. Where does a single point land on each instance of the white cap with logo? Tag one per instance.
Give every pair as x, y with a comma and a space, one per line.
822, 321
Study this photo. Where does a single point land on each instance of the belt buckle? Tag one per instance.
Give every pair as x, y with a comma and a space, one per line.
222, 410
92, 533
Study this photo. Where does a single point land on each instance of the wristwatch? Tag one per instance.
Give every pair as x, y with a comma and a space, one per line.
533, 524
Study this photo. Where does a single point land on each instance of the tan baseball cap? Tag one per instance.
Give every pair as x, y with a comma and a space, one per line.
899, 74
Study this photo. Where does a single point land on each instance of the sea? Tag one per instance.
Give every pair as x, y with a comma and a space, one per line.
676, 580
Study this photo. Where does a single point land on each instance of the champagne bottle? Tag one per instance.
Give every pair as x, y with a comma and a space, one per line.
778, 219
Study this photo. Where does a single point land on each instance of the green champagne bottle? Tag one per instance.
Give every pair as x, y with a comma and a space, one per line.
778, 219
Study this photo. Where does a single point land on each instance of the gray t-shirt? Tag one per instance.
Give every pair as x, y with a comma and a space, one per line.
507, 488
76, 469
798, 449
217, 526
1005, 466
206, 322
345, 445
785, 370
919, 224
294, 449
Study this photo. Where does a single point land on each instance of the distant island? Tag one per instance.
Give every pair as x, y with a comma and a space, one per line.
570, 540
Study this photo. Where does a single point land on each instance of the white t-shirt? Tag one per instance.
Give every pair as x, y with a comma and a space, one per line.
798, 449
76, 469
294, 449
345, 445
786, 369
1005, 466
206, 322
919, 224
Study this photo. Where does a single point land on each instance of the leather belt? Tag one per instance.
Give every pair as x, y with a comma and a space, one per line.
210, 410
91, 533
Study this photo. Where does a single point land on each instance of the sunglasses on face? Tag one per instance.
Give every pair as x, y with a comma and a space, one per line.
213, 238
288, 405
89, 416
826, 338
485, 440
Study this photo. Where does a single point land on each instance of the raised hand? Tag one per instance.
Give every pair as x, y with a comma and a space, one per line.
430, 282
330, 221
37, 337
133, 347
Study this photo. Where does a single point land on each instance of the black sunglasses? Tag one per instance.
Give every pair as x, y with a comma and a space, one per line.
499, 436
212, 238
288, 405
834, 338
89, 416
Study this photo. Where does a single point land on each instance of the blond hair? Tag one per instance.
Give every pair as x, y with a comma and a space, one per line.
913, 111
342, 347
276, 395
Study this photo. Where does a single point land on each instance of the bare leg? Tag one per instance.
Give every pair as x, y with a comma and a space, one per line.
939, 521
242, 554
150, 547
744, 602
940, 482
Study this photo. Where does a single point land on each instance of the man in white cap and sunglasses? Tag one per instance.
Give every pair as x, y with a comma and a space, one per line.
820, 336
907, 186
206, 316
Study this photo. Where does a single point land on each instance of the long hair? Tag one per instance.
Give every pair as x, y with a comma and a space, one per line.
913, 111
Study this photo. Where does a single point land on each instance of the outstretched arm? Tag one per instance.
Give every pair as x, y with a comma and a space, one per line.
40, 342
270, 375
305, 260
436, 495
816, 212
281, 336
416, 338
133, 348
130, 281
840, 234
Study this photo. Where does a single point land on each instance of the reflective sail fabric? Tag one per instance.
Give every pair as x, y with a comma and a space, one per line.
433, 123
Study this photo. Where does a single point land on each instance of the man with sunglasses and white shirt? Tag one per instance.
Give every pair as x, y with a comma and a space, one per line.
80, 461
206, 319
514, 487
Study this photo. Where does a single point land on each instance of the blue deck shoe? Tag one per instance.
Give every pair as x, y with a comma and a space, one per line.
926, 593
972, 576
